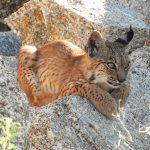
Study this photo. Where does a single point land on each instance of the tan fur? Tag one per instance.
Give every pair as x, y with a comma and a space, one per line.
115, 53
59, 69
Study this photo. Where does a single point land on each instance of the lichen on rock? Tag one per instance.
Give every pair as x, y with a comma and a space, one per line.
40, 21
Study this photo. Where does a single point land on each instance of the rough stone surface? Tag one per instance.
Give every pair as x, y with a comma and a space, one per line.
40, 21
9, 6
13, 103
142, 5
73, 123
9, 43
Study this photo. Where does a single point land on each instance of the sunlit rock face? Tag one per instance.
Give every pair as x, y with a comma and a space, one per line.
73, 123
40, 21
143, 6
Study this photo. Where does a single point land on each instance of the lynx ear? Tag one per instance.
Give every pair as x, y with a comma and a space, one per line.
125, 39
95, 44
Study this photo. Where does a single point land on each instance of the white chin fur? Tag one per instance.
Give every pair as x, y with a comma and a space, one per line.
106, 86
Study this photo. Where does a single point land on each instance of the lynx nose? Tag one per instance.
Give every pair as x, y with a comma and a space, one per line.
121, 80
121, 75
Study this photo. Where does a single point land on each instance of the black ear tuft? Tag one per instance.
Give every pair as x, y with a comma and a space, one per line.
126, 38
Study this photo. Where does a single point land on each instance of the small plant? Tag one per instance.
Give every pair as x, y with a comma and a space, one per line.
8, 130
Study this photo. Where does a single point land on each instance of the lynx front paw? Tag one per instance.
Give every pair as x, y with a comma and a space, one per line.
121, 94
101, 99
106, 107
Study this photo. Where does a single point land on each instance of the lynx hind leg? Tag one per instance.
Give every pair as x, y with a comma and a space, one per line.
121, 94
101, 100
36, 96
28, 79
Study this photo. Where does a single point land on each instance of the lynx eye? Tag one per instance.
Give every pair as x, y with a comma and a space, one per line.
111, 65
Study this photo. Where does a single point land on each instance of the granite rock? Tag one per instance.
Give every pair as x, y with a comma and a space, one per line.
142, 5
7, 7
40, 21
9, 43
72, 122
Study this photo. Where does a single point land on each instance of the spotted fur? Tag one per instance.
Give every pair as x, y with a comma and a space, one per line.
59, 69
115, 53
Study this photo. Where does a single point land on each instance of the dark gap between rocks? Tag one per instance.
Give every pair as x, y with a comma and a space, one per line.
4, 27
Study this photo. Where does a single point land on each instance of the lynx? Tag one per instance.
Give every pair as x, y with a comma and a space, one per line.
61, 68
115, 53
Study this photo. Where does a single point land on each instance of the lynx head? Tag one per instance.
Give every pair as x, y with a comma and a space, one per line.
103, 74
113, 53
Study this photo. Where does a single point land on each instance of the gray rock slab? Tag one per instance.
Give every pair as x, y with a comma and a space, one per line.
78, 125
72, 122
9, 43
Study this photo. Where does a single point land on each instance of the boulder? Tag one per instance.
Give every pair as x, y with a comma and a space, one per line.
72, 122
7, 7
13, 103
9, 43
143, 6
40, 21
